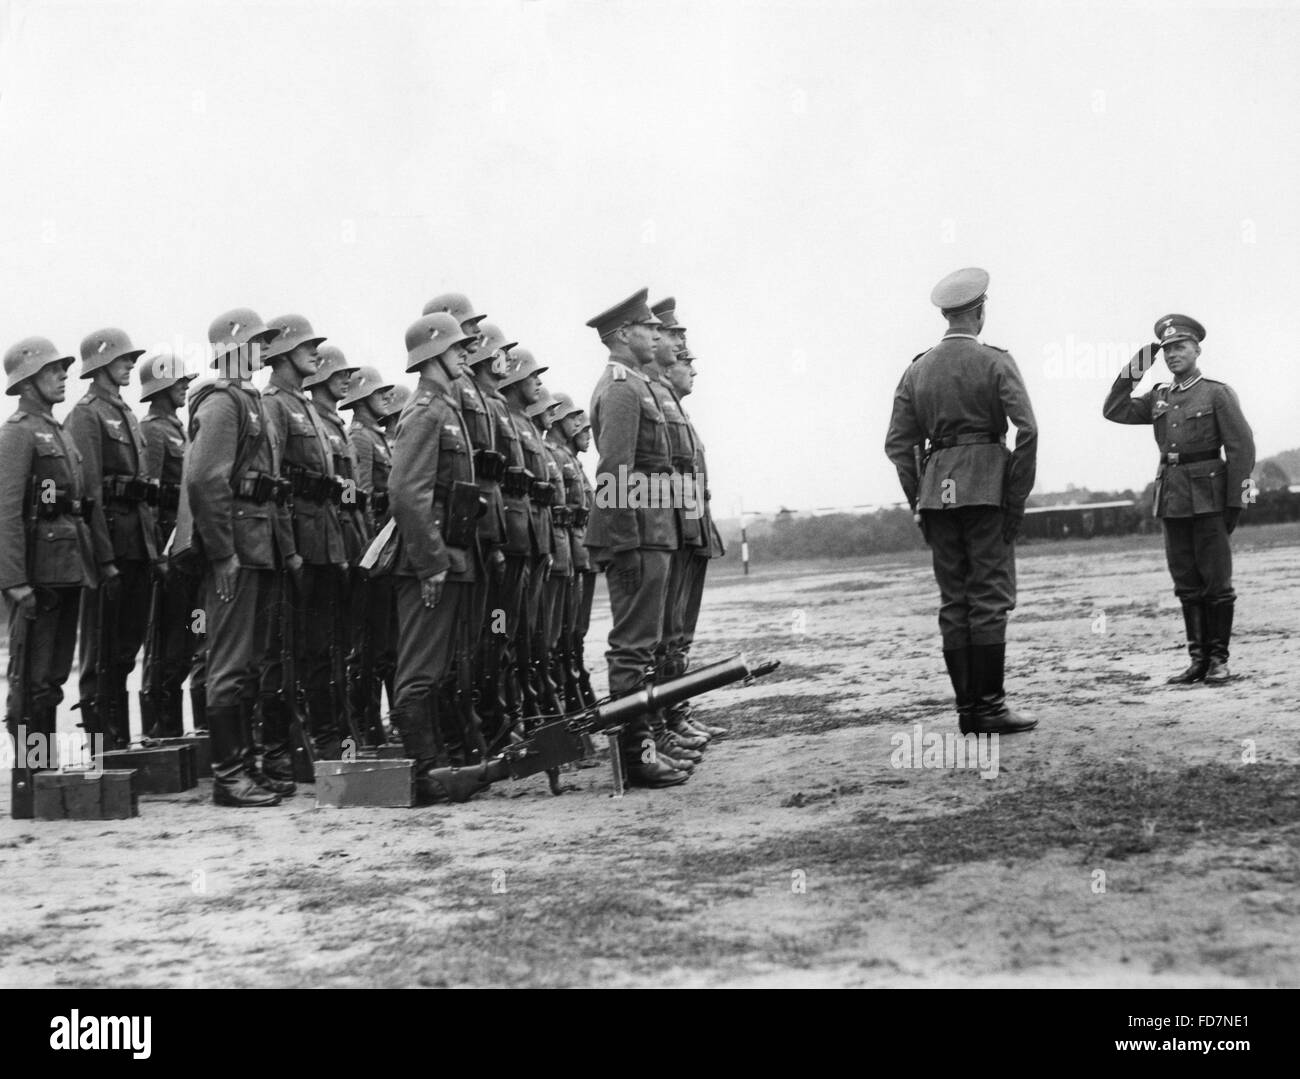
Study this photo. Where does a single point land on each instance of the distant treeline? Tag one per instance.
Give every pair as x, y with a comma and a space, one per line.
850, 535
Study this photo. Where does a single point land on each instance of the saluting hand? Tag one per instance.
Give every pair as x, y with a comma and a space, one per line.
1142, 360
431, 589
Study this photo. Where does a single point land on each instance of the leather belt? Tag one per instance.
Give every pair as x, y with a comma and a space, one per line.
1189, 458
966, 438
129, 489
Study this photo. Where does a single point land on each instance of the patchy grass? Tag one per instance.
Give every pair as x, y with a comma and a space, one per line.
1109, 813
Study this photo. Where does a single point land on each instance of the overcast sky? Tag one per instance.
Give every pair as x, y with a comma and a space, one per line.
798, 175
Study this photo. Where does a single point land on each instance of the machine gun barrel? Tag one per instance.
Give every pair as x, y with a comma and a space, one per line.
560, 741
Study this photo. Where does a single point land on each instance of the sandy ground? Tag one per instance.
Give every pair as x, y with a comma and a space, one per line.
1126, 842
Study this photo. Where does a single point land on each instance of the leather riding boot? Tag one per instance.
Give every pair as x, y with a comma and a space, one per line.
257, 773
415, 726
199, 707
123, 699
231, 783
958, 661
445, 706
992, 716
1218, 633
277, 751
1194, 623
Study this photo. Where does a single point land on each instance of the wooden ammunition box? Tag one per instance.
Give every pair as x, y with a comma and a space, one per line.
159, 769
107, 795
202, 751
387, 783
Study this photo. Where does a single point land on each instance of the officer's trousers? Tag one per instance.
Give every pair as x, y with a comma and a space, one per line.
638, 618
238, 633
1199, 557
976, 572
692, 596
668, 654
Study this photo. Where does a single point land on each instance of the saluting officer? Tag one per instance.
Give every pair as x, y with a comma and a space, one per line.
632, 539
437, 553
45, 553
230, 517
1200, 494
318, 562
969, 491
521, 388
122, 525
681, 376
164, 384
372, 600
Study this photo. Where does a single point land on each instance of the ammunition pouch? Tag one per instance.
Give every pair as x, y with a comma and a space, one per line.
464, 507
489, 465
362, 500
581, 517
259, 488
130, 490
561, 516
62, 505
516, 482
312, 486
379, 503
169, 496
542, 493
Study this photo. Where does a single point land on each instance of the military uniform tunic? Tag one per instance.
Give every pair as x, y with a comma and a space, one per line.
631, 438
1197, 420
124, 532
45, 544
958, 397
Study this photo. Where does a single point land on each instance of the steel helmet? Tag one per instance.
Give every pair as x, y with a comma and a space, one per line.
27, 358
159, 372
365, 381
397, 400
567, 407
431, 336
332, 361
544, 403
522, 364
103, 347
294, 330
491, 341
238, 328
455, 304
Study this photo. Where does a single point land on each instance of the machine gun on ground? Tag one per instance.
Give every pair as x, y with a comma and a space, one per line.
560, 741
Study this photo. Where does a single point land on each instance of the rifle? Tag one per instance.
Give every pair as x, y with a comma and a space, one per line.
300, 743
105, 698
550, 745
23, 788
152, 710
339, 701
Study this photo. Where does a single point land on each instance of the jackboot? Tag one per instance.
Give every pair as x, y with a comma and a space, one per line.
1194, 623
277, 751
199, 707
231, 783
992, 716
256, 771
1218, 633
958, 661
415, 726
123, 699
